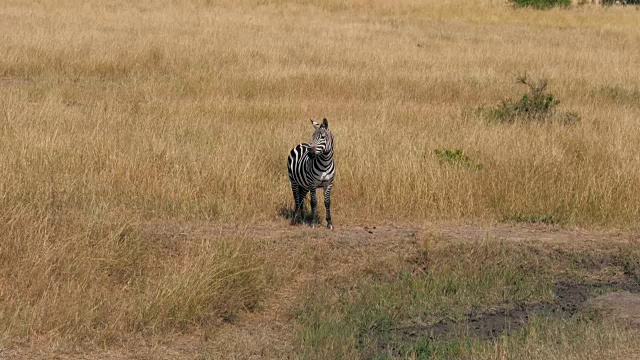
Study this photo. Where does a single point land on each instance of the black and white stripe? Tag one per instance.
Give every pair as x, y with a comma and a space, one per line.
310, 167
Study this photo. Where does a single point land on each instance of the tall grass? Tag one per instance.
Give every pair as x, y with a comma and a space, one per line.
96, 279
189, 111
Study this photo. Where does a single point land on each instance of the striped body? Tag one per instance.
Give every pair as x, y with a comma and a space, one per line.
311, 166
310, 173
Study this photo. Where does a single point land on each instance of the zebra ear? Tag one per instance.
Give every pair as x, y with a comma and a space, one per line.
325, 122
315, 124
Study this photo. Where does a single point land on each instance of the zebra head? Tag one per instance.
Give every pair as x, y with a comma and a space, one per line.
322, 142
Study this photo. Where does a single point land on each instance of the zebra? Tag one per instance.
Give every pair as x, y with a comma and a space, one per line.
310, 167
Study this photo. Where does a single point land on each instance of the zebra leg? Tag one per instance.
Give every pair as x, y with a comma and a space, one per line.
296, 199
302, 193
314, 207
327, 204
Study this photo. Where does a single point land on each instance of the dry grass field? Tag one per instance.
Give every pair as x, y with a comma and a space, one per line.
143, 179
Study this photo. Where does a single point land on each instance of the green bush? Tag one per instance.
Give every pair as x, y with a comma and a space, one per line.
537, 106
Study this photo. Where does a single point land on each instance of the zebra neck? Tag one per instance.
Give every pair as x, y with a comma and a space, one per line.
320, 162
325, 157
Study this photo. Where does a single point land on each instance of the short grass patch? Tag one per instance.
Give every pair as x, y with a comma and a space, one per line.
444, 282
475, 299
582, 337
532, 219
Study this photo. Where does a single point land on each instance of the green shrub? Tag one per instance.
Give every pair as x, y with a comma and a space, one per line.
537, 106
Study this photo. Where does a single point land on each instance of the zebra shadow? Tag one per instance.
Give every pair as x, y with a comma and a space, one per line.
288, 212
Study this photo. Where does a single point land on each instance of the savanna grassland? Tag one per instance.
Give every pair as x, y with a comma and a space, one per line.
144, 194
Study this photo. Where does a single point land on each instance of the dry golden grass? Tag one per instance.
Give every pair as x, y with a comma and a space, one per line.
117, 113
99, 284
188, 110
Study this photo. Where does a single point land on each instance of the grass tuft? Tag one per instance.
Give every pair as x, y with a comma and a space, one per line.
533, 219
541, 4
456, 158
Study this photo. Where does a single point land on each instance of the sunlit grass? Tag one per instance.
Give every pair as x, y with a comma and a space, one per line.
114, 114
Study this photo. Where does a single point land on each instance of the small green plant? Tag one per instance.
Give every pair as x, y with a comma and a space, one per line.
456, 158
540, 4
532, 219
537, 106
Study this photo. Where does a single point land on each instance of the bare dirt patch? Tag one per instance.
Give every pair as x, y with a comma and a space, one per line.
621, 306
571, 239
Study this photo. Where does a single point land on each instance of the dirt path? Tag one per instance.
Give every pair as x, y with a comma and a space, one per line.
370, 235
